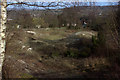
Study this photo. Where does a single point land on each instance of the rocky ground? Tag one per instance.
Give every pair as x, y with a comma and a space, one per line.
39, 53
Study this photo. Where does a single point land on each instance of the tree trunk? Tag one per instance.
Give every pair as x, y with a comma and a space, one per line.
2, 33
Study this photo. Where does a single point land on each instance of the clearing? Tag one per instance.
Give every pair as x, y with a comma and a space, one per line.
40, 53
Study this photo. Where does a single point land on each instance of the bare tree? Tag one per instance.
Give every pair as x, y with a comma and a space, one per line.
2, 32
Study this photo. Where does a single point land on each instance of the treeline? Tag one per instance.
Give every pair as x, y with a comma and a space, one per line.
71, 18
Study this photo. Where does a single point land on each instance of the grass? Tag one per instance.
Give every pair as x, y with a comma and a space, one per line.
54, 51
52, 37
25, 75
72, 53
55, 54
53, 33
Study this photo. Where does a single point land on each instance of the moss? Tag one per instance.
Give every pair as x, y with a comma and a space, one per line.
75, 53
72, 53
55, 54
25, 75
85, 52
95, 41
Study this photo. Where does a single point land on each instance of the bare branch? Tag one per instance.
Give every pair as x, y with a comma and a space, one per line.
43, 4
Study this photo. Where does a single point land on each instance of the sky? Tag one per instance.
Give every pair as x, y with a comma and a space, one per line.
63, 0
98, 2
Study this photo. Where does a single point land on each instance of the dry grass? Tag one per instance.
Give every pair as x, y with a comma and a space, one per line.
20, 63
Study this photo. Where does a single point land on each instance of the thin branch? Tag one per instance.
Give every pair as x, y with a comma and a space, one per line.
61, 4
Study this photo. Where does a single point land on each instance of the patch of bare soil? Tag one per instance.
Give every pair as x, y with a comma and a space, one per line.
34, 54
